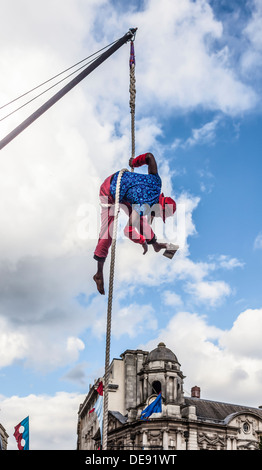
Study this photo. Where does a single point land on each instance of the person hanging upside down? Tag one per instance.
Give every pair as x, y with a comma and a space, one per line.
140, 196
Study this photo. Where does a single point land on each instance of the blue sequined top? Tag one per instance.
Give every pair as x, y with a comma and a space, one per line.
140, 190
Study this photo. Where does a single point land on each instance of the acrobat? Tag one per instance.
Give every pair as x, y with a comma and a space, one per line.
142, 200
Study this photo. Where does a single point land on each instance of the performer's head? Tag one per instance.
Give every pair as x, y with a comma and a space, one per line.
167, 206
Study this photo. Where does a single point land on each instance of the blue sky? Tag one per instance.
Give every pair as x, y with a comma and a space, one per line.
198, 109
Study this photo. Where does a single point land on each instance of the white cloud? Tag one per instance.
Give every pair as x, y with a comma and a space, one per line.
211, 292
13, 345
229, 263
225, 262
171, 299
147, 132
74, 345
128, 320
244, 338
153, 269
184, 70
40, 310
203, 135
226, 364
251, 57
52, 419
134, 319
258, 242
206, 136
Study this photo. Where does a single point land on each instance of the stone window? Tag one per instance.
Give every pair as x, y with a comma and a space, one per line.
156, 387
246, 427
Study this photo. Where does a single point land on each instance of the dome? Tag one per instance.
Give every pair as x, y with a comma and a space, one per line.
161, 353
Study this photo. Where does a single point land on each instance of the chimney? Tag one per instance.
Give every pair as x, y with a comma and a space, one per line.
195, 392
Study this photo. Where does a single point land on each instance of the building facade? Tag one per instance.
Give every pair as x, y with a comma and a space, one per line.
185, 423
3, 438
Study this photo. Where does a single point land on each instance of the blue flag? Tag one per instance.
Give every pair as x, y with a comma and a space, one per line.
154, 407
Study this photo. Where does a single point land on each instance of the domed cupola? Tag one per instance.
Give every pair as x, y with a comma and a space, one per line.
162, 356
161, 373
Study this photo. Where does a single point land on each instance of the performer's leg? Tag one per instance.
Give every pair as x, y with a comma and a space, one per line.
99, 277
105, 237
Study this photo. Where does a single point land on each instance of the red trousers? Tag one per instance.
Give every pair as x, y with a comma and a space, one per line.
107, 218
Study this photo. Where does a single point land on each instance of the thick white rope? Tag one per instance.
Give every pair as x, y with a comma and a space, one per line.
132, 90
109, 310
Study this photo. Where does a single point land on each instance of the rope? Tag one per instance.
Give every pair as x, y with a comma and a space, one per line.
132, 101
132, 90
109, 310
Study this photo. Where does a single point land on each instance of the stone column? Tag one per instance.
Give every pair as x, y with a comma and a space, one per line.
192, 441
179, 440
231, 443
144, 440
165, 439
145, 386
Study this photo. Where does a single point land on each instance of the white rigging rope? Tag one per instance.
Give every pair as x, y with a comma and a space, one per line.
132, 91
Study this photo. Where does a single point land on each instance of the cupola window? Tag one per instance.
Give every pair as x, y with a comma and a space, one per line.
156, 387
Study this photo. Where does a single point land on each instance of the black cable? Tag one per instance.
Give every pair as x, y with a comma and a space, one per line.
66, 88
50, 79
50, 88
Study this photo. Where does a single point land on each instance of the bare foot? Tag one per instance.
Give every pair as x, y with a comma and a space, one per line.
99, 283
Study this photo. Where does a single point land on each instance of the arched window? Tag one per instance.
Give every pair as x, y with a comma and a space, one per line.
156, 387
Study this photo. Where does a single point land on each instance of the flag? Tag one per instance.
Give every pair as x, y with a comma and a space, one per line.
154, 407
22, 435
98, 408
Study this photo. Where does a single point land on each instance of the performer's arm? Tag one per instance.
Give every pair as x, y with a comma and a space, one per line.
145, 159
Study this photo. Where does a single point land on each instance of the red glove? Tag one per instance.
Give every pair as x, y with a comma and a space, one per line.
139, 161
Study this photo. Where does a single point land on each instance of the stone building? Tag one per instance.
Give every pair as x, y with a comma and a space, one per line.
3, 438
185, 423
